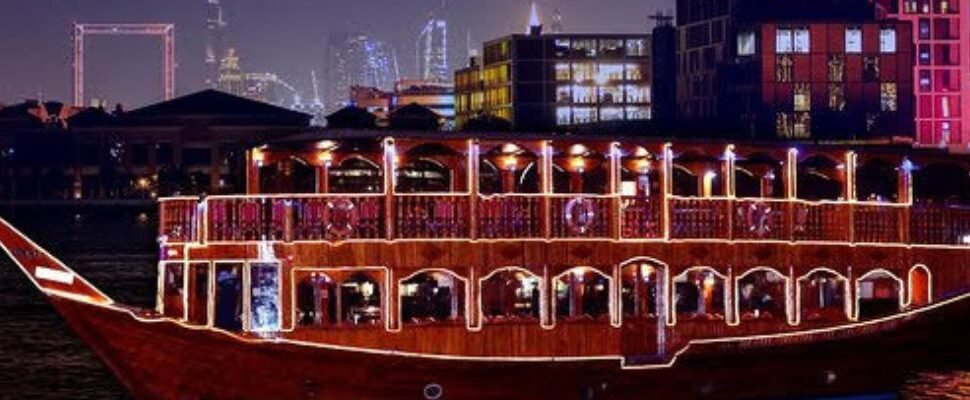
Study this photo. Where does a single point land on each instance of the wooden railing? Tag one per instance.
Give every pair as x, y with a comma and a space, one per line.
333, 217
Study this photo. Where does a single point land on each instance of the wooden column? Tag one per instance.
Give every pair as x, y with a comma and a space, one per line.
849, 190
790, 175
667, 186
473, 187
254, 159
323, 178
729, 188
389, 173
614, 189
545, 181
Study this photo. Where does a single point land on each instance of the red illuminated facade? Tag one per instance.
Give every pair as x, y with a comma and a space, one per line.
941, 33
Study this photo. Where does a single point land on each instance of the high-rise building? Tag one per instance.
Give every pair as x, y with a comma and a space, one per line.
540, 82
215, 27
431, 50
942, 72
232, 79
556, 23
357, 60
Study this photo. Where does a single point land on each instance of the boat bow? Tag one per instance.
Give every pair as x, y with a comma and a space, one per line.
47, 273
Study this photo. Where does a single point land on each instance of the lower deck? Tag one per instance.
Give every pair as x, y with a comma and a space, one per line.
546, 299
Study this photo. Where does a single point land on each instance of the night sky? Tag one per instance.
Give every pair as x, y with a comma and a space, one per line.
281, 36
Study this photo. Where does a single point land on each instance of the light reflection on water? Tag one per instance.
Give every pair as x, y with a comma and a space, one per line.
41, 359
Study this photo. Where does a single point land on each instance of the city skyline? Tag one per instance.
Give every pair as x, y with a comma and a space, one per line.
127, 70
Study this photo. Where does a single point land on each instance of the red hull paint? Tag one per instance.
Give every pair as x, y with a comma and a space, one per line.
160, 359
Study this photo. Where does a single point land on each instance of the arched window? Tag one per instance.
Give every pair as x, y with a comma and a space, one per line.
316, 301
758, 175
511, 293
878, 293
699, 293
360, 298
424, 175
947, 183
823, 296
762, 294
489, 178
818, 179
582, 292
641, 289
684, 182
356, 175
434, 296
920, 286
877, 180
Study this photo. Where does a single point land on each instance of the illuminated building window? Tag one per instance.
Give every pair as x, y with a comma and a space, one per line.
562, 72
584, 94
887, 96
563, 115
836, 97
636, 48
633, 72
924, 54
638, 113
610, 94
853, 39
944, 106
585, 47
803, 97
746, 43
562, 47
887, 40
836, 68
611, 114
563, 94
925, 80
783, 125
783, 68
584, 115
611, 47
783, 41
871, 120
802, 127
870, 69
924, 28
582, 72
609, 72
802, 41
637, 94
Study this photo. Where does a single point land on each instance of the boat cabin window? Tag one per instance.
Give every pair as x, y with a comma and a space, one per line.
360, 297
511, 294
879, 294
316, 301
762, 295
229, 297
199, 281
432, 297
877, 180
173, 292
819, 178
356, 175
422, 176
699, 294
822, 297
640, 287
582, 293
264, 297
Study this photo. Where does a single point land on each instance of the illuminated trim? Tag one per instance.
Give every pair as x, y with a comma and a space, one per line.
400, 284
846, 298
909, 284
737, 293
611, 295
875, 272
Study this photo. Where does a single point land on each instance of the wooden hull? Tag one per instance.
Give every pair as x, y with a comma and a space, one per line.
161, 359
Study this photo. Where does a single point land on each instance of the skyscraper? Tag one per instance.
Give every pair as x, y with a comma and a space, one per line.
355, 59
231, 77
215, 27
431, 49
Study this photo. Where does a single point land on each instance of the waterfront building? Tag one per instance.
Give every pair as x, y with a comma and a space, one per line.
942, 73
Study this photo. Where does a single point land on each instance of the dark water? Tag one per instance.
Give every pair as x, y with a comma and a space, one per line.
115, 249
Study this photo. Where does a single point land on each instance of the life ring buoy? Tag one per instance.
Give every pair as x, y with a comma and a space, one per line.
342, 217
580, 214
758, 218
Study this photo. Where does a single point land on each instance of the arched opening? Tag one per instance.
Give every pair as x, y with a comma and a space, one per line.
422, 176
823, 295
684, 182
920, 286
316, 300
508, 168
582, 293
878, 293
758, 175
433, 296
584, 170
360, 299
642, 287
819, 179
303, 175
762, 293
699, 294
356, 175
877, 180
942, 183
489, 178
510, 294
229, 297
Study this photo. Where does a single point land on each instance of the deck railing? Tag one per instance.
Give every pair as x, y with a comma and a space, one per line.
336, 217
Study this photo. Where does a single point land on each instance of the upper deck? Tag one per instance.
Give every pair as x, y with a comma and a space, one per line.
338, 190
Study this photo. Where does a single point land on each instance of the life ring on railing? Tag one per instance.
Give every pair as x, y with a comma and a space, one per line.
342, 217
580, 214
758, 218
